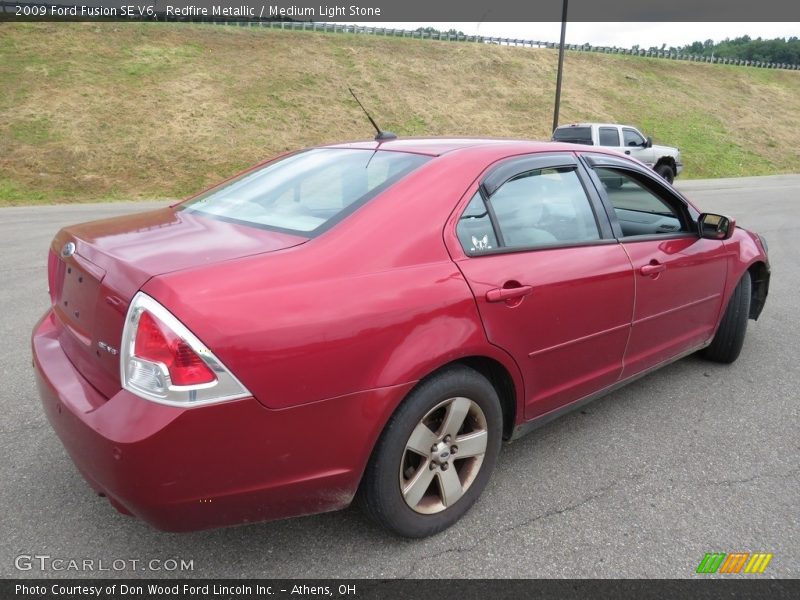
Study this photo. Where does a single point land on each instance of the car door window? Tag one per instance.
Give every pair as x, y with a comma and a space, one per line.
609, 136
539, 208
475, 229
544, 207
632, 137
639, 209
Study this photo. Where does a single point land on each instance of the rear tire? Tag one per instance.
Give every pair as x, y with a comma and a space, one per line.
666, 172
415, 484
728, 341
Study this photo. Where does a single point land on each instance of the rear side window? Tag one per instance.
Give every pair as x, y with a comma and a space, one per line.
539, 208
307, 192
475, 229
609, 136
574, 135
544, 207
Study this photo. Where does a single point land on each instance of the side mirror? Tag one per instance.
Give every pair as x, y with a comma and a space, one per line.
715, 227
648, 143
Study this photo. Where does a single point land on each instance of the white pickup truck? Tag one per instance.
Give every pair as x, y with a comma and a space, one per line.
664, 160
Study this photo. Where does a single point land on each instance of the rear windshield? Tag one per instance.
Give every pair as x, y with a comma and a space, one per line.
307, 192
575, 135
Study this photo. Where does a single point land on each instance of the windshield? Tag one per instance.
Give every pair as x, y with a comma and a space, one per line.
306, 192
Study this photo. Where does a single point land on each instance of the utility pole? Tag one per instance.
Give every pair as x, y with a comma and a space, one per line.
560, 63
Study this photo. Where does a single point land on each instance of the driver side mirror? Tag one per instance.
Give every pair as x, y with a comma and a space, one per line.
715, 227
648, 143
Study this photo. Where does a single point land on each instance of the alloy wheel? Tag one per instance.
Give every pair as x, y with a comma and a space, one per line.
443, 455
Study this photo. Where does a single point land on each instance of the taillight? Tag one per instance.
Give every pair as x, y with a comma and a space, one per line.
156, 343
161, 360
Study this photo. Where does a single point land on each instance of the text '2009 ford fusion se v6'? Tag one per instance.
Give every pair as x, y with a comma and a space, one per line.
370, 320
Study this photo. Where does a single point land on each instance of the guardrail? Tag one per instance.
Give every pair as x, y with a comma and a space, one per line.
10, 7
443, 36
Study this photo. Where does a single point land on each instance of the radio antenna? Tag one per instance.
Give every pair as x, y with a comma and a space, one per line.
381, 135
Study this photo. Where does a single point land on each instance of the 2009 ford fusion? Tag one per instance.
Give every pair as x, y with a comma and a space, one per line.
371, 320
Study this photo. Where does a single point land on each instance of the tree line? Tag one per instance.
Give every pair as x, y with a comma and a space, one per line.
778, 50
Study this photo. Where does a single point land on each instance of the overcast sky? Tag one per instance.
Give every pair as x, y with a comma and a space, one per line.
623, 35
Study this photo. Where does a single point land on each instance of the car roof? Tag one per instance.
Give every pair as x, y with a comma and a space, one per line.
432, 146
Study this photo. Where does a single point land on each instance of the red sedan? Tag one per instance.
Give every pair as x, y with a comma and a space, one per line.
371, 320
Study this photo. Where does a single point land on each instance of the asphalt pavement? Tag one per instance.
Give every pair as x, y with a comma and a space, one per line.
695, 458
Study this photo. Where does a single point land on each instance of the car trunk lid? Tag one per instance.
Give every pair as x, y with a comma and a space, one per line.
94, 270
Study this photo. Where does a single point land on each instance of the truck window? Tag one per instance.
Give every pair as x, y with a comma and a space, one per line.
573, 135
632, 137
609, 136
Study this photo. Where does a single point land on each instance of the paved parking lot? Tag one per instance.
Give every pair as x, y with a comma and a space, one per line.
695, 458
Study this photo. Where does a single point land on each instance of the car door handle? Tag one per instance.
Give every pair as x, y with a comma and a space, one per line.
500, 294
653, 268
627, 151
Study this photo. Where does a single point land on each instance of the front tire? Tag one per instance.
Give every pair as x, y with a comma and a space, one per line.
666, 172
728, 341
435, 455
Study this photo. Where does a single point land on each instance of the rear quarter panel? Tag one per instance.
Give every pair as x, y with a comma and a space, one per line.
374, 302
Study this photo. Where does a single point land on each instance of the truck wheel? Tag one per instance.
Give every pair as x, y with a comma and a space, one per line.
727, 343
435, 455
666, 172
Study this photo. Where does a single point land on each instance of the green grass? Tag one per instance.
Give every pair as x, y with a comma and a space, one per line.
709, 149
98, 111
12, 193
33, 131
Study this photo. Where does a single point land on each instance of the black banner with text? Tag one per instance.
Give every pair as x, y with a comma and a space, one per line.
461, 589
408, 10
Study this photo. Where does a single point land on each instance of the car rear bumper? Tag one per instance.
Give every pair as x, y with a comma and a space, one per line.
235, 462
678, 168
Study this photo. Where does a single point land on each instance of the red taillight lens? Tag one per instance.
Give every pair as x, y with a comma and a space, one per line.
155, 342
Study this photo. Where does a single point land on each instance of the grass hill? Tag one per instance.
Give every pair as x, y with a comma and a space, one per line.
96, 111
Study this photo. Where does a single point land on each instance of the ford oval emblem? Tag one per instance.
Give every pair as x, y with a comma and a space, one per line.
68, 249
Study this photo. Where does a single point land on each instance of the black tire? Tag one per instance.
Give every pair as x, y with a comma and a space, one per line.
666, 172
381, 496
728, 341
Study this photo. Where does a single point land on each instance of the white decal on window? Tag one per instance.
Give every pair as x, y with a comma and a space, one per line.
480, 244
